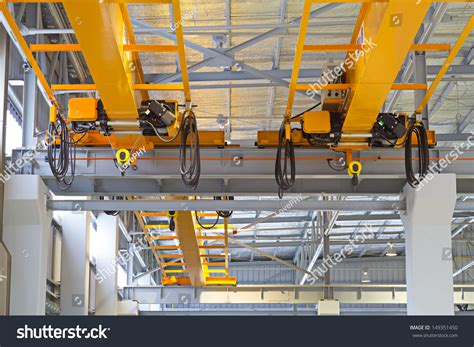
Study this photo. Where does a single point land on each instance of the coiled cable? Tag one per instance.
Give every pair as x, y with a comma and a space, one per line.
285, 167
62, 152
190, 170
198, 220
224, 214
419, 130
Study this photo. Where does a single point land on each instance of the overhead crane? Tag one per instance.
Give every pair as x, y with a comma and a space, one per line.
353, 93
124, 117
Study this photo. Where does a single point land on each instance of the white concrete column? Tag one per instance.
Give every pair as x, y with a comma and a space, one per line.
106, 264
429, 268
4, 255
75, 265
27, 229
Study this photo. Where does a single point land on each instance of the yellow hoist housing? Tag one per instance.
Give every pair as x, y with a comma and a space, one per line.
317, 122
82, 110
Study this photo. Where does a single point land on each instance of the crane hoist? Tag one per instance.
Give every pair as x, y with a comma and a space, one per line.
352, 94
125, 117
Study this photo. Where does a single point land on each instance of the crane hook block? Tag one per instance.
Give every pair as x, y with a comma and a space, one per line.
123, 156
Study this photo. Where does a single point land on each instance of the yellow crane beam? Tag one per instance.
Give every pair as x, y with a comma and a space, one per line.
444, 68
189, 245
100, 31
391, 28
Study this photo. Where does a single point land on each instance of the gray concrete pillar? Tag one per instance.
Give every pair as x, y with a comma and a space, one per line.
429, 266
75, 264
27, 230
106, 264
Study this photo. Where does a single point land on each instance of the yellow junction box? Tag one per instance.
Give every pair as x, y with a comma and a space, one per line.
82, 110
317, 122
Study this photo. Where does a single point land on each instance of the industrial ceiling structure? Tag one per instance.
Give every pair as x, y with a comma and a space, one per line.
229, 239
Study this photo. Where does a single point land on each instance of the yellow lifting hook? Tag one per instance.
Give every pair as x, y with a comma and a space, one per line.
123, 156
354, 169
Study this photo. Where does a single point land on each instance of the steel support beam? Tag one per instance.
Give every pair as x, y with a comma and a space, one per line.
328, 221
276, 59
231, 51
213, 205
238, 205
252, 173
420, 78
436, 104
461, 137
423, 37
283, 294
310, 74
30, 90
227, 55
465, 122
30, 102
449, 59
464, 268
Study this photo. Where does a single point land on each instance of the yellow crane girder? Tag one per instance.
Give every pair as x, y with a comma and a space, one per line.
100, 31
390, 29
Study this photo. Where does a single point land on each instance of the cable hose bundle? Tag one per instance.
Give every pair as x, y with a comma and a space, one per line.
224, 214
285, 174
198, 220
191, 172
423, 153
60, 154
112, 213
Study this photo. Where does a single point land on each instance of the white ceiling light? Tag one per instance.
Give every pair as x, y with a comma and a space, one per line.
365, 276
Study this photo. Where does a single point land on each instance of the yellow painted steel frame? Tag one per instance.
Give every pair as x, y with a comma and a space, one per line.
100, 31
444, 68
191, 249
390, 28
269, 138
18, 39
189, 245
298, 56
207, 138
106, 39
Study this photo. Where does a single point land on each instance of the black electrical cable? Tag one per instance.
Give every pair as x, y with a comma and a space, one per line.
224, 214
111, 213
198, 220
419, 130
285, 174
161, 137
309, 109
191, 172
62, 155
